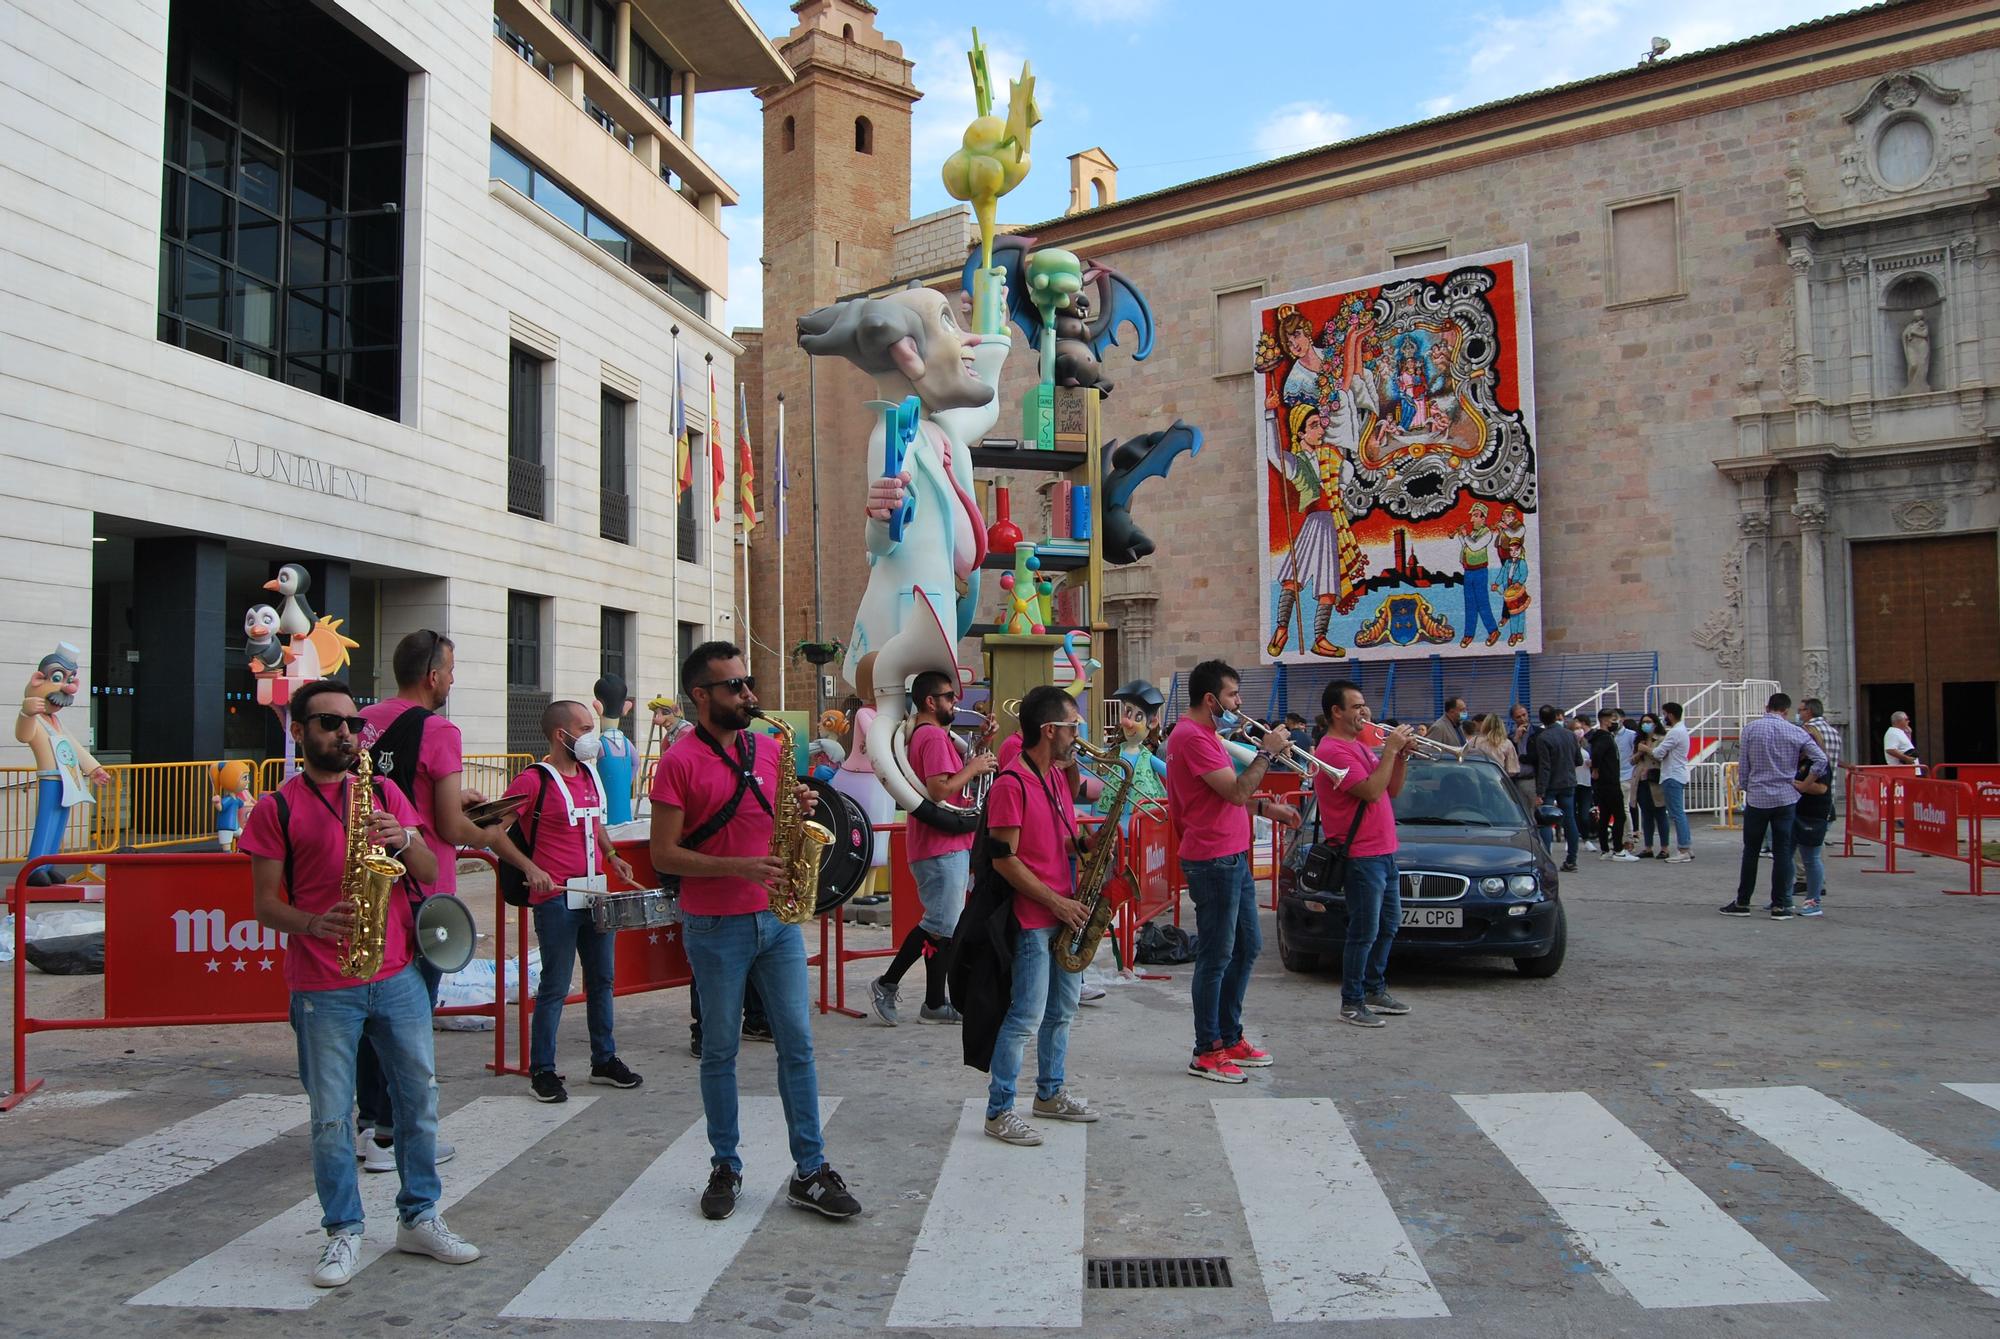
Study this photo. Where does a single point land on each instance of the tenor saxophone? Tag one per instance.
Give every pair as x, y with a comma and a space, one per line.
367, 880
1074, 949
795, 839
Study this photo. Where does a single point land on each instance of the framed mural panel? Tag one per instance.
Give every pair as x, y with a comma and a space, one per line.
1397, 490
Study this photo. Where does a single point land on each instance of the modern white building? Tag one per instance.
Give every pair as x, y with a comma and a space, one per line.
388, 289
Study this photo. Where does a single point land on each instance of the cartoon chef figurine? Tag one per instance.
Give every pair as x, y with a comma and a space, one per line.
232, 801
64, 769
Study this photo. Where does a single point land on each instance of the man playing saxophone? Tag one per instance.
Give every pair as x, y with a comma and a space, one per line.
940, 861
715, 794
299, 844
1031, 813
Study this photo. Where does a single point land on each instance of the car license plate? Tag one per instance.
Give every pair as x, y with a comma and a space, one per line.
1433, 918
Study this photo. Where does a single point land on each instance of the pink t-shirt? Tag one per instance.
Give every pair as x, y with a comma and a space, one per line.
442, 755
692, 779
932, 754
559, 849
1046, 816
1008, 753
1377, 833
1210, 827
318, 820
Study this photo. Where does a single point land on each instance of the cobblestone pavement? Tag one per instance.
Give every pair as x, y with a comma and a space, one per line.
1700, 1125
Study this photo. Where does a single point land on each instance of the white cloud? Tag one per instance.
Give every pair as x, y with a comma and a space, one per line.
1576, 39
1300, 125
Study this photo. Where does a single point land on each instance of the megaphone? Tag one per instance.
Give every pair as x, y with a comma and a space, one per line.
444, 932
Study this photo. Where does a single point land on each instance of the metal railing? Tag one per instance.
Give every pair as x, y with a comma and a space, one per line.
1606, 696
614, 515
491, 773
527, 482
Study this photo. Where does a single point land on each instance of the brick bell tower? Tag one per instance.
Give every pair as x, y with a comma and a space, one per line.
836, 188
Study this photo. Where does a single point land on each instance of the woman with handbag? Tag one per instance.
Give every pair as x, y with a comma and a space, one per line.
1646, 782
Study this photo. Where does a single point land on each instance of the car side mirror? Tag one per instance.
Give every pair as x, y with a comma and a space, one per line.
1548, 816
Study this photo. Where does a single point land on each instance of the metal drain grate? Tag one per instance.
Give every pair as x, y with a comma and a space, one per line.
1158, 1271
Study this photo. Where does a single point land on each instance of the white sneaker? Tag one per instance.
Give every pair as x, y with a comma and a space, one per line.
379, 1157
364, 1139
1626, 855
1679, 858
1092, 995
338, 1260
445, 1153
1589, 845
431, 1237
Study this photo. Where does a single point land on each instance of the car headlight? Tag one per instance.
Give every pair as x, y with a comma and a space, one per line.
1522, 885
1492, 885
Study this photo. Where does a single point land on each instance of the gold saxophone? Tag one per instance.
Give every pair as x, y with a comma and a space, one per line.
795, 839
368, 879
1073, 949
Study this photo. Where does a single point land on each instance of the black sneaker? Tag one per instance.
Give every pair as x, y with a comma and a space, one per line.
694, 1042
613, 1074
823, 1192
719, 1200
1569, 867
1783, 914
1734, 909
759, 1030
548, 1086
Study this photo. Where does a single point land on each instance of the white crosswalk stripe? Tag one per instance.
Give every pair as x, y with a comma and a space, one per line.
622, 1266
1329, 1245
58, 1204
1665, 1242
1933, 1203
267, 1266
1002, 1238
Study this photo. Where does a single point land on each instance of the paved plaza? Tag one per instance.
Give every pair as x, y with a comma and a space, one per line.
1700, 1126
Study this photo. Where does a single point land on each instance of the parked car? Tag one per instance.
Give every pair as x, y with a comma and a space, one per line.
1476, 881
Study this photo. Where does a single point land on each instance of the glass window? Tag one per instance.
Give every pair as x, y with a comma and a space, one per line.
513, 169
524, 640
652, 79
524, 406
593, 21
281, 189
559, 202
687, 508
612, 411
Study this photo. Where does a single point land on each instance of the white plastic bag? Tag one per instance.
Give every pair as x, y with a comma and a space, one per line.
51, 925
473, 984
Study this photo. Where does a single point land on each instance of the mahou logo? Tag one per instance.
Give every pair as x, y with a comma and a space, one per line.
1928, 813
211, 931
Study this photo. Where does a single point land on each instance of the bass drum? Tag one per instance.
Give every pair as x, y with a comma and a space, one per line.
848, 861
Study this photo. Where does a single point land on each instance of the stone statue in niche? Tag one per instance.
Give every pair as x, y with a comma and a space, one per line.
1917, 355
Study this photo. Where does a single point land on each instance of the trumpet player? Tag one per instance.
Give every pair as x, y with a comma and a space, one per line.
714, 797
940, 861
1212, 807
298, 847
1354, 810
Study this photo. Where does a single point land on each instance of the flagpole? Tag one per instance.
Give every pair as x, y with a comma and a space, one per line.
819, 602
709, 564
674, 531
778, 493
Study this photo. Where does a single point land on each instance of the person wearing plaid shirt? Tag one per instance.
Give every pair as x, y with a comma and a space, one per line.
1770, 752
1815, 810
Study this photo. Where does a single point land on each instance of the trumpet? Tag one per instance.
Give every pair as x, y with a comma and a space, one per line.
1422, 745
1297, 756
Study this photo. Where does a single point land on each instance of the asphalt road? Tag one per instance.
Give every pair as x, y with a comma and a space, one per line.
1701, 1125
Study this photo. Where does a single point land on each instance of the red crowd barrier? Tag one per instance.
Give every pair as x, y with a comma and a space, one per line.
1874, 806
182, 948
1983, 778
1898, 809
1932, 809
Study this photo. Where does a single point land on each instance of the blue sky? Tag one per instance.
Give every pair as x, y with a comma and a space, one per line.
1174, 90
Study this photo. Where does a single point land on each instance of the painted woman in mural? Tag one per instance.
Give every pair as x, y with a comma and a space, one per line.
1325, 555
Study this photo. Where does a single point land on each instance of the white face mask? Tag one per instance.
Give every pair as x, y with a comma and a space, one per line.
588, 745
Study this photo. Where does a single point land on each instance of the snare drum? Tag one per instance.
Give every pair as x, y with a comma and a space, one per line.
638, 910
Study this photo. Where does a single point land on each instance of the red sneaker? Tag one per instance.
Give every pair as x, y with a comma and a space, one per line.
1246, 1056
1217, 1067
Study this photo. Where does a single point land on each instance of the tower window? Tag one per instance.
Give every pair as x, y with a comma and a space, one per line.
847, 32
791, 135
864, 135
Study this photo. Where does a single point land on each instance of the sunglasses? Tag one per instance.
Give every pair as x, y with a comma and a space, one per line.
331, 722
739, 685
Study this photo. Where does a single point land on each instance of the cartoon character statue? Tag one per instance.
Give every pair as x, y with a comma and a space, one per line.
313, 648
1084, 305
260, 640
992, 160
617, 759
668, 724
1139, 706
232, 802
826, 753
64, 769
1127, 465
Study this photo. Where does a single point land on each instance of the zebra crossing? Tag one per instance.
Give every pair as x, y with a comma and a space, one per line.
1004, 1231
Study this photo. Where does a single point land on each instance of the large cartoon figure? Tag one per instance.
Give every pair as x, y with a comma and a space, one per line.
64, 769
618, 759
313, 647
232, 802
925, 535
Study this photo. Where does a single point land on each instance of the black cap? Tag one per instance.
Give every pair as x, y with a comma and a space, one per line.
1140, 694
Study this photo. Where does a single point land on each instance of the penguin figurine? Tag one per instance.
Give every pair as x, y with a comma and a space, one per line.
260, 626
293, 582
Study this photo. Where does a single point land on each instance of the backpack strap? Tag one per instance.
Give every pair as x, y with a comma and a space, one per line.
541, 798
285, 831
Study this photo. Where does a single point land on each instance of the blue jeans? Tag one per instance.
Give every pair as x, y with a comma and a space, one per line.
1044, 1001
567, 936
941, 882
1564, 798
727, 953
1677, 813
1809, 840
1758, 820
1374, 910
395, 1015
1226, 942
1652, 817
371, 1085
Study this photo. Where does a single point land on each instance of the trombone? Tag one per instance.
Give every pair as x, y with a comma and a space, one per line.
1297, 756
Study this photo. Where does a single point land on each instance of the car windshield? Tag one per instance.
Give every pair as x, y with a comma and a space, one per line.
1458, 794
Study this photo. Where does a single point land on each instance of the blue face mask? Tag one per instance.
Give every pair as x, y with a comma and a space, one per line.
1646, 729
